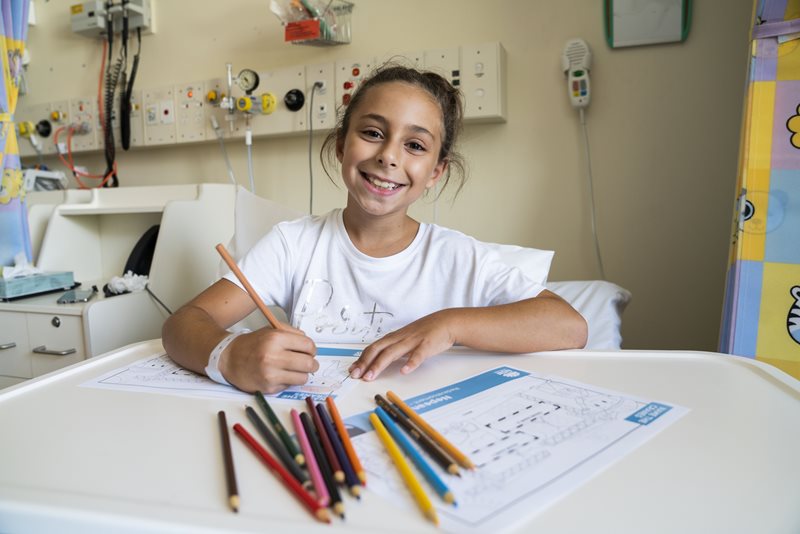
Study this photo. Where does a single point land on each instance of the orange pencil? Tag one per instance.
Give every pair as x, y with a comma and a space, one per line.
345, 437
249, 288
319, 511
459, 456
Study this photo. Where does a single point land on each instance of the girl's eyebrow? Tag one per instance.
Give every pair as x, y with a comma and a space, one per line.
381, 119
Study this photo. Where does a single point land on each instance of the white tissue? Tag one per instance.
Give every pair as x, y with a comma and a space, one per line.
127, 283
21, 267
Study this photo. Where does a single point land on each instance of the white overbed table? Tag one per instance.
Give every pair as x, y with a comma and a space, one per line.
77, 459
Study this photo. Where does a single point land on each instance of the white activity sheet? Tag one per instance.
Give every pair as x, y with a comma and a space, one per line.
159, 374
534, 439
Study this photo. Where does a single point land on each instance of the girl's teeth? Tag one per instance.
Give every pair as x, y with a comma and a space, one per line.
382, 184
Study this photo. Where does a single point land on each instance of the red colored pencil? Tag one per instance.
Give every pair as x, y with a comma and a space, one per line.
288, 480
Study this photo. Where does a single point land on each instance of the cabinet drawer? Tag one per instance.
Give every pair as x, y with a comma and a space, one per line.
14, 349
55, 341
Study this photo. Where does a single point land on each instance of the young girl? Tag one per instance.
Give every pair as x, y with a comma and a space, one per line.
370, 273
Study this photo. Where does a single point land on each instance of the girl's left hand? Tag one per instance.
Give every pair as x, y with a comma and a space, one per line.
419, 341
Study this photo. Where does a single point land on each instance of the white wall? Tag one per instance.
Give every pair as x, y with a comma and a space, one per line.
664, 129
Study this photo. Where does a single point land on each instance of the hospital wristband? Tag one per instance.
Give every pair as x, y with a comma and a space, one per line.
212, 369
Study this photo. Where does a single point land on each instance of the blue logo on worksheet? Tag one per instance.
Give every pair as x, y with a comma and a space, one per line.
649, 413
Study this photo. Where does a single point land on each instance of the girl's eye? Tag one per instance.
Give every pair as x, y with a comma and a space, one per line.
413, 145
372, 133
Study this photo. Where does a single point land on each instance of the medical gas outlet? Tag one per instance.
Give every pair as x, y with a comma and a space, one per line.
264, 104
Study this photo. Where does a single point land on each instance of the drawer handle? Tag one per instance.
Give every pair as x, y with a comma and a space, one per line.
43, 350
8, 346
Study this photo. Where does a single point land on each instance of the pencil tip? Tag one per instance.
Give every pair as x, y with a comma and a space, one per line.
431, 514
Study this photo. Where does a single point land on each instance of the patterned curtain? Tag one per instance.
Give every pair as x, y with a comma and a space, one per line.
14, 234
761, 317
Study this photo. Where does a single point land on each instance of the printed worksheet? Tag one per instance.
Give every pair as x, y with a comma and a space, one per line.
534, 439
159, 374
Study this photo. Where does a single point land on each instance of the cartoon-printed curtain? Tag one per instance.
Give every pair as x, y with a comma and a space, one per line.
761, 316
14, 234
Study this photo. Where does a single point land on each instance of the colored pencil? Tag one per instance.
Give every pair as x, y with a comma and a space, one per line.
345, 437
327, 446
227, 456
311, 462
351, 480
277, 447
405, 470
291, 448
438, 454
322, 461
426, 470
249, 288
460, 457
319, 511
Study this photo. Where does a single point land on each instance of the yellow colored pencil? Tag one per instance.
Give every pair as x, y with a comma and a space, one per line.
459, 456
405, 470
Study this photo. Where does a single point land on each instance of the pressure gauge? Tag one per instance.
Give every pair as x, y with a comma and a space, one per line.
247, 80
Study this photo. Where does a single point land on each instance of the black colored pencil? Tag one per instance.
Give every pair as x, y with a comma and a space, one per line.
279, 429
349, 473
275, 444
324, 466
230, 473
431, 447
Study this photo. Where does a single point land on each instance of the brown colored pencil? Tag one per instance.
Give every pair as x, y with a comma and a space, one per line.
439, 455
230, 473
249, 288
441, 440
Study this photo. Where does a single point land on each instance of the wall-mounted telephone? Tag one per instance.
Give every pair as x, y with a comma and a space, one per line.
576, 62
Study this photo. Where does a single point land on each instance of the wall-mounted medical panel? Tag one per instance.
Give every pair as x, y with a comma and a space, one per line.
190, 112
323, 107
445, 61
158, 107
84, 123
349, 75
29, 131
279, 105
482, 81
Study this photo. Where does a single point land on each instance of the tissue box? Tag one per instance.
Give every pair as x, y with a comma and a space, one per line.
33, 284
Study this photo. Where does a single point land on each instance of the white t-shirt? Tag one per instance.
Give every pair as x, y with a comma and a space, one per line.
336, 294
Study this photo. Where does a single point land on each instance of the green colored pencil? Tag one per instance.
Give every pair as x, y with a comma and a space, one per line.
282, 434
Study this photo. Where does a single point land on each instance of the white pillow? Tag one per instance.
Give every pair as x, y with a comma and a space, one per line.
601, 303
533, 262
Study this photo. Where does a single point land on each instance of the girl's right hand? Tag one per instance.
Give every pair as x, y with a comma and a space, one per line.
269, 360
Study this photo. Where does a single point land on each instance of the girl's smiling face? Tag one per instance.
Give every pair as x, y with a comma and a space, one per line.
390, 152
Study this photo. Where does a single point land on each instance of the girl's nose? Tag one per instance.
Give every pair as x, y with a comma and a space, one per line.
387, 157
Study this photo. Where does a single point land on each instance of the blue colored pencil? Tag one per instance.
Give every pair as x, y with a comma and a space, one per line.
349, 473
426, 470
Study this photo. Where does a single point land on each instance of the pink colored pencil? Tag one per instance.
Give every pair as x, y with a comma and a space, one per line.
311, 462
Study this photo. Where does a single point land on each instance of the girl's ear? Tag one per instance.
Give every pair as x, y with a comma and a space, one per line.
437, 173
340, 148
